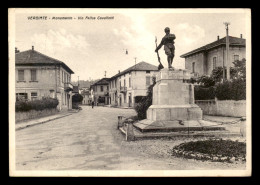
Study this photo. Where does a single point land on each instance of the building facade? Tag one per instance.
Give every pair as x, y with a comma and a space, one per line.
38, 75
85, 92
126, 87
203, 60
100, 92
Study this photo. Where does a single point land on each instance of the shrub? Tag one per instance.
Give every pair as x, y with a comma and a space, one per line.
231, 90
206, 81
44, 103
145, 102
77, 98
202, 93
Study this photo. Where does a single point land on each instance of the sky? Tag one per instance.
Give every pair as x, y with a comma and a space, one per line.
91, 47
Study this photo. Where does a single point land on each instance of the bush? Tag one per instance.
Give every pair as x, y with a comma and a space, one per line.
44, 103
206, 81
77, 98
145, 102
231, 90
202, 93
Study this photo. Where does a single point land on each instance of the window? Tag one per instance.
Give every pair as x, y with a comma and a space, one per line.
129, 81
21, 96
62, 76
193, 67
148, 80
20, 75
33, 96
107, 88
236, 57
214, 62
33, 74
101, 88
147, 71
124, 82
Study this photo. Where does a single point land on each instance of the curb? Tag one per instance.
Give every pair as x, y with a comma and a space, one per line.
26, 126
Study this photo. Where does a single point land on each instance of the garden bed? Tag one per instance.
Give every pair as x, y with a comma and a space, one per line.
213, 150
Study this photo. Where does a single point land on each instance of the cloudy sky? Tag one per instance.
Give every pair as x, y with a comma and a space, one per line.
90, 47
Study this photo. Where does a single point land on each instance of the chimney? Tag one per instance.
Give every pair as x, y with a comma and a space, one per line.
32, 47
218, 37
241, 36
16, 50
118, 71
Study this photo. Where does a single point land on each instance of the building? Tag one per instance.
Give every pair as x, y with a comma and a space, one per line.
38, 75
85, 92
127, 87
100, 92
203, 60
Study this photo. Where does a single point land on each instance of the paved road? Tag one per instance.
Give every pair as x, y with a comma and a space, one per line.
85, 140
89, 140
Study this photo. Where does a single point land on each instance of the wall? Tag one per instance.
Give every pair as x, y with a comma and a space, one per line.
21, 116
207, 66
223, 107
47, 79
199, 63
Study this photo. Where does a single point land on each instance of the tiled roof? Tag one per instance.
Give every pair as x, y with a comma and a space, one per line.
142, 66
103, 81
233, 41
32, 57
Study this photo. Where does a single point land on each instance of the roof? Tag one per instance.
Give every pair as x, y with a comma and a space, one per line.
32, 57
233, 41
103, 81
141, 66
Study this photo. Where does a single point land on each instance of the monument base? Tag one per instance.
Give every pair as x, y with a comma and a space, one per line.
147, 125
174, 112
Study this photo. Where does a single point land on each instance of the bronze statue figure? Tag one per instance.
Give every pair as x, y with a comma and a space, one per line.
168, 42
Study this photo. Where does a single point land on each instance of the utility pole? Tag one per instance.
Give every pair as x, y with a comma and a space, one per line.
135, 65
227, 52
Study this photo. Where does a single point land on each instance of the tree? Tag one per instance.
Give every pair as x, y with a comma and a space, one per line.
206, 81
77, 98
240, 69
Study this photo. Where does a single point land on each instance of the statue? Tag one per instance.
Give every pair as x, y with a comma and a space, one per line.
168, 42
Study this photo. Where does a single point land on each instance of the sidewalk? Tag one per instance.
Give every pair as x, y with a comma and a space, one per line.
33, 122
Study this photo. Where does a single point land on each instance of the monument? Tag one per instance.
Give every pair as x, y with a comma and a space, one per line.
173, 107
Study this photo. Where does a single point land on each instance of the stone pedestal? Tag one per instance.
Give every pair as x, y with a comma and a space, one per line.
173, 103
173, 98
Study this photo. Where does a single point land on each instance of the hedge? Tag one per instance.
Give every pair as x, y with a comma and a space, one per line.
231, 90
202, 93
38, 105
228, 90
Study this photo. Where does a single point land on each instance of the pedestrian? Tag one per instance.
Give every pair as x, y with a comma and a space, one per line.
92, 104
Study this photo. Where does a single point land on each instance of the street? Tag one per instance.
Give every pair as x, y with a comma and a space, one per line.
89, 140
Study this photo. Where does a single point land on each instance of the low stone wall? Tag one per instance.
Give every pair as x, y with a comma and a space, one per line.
21, 116
223, 107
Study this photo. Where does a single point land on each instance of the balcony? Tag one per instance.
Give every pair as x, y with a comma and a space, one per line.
68, 86
123, 89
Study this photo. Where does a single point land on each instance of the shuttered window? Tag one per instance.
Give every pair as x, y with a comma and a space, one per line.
21, 75
33, 74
